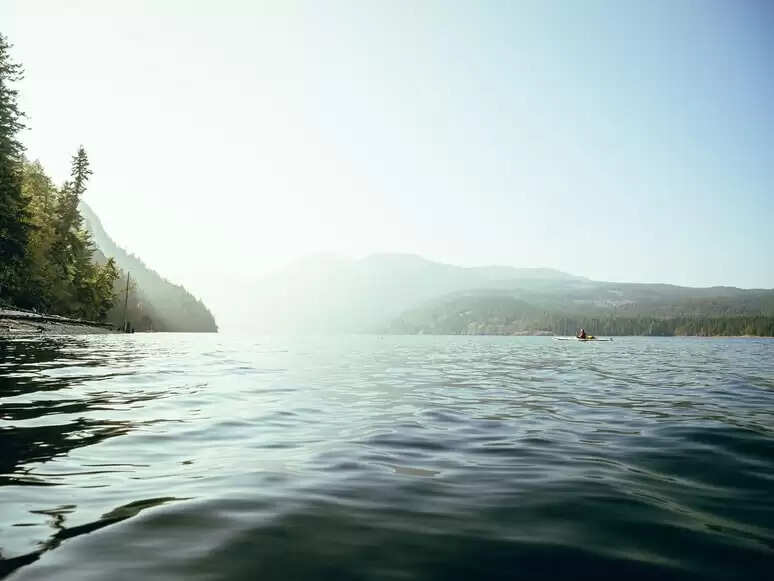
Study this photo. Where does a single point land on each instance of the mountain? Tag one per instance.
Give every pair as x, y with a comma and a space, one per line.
154, 302
328, 293
402, 293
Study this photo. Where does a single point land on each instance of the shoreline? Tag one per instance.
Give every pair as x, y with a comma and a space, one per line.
17, 323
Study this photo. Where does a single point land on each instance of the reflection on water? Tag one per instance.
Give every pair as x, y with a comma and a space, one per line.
57, 522
185, 456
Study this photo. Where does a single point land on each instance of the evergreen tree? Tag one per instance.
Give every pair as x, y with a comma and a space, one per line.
68, 219
80, 172
14, 226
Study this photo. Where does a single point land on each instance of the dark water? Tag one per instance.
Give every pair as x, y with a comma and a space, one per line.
209, 457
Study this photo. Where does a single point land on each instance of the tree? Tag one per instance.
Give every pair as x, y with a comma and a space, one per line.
14, 226
80, 172
68, 219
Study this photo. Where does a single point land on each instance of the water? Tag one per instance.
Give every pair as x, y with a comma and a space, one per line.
209, 457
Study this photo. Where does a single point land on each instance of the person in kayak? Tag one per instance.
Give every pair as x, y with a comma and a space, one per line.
582, 334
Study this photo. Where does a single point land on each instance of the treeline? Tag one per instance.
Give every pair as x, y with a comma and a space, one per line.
759, 325
502, 315
750, 302
45, 253
54, 270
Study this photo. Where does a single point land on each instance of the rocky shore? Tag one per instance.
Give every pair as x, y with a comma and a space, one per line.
15, 323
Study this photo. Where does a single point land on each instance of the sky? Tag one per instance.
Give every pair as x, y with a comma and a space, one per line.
624, 141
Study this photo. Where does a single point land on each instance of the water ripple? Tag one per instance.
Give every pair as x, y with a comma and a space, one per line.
185, 456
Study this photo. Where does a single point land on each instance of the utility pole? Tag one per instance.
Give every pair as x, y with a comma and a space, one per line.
126, 299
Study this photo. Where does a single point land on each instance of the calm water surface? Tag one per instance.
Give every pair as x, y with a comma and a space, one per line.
210, 457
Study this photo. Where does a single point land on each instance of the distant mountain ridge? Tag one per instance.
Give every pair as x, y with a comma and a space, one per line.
403, 293
155, 303
328, 293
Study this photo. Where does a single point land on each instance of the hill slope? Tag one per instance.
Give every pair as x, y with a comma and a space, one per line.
155, 303
330, 294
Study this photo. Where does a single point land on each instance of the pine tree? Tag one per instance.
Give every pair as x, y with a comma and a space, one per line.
14, 226
68, 218
80, 172
72, 249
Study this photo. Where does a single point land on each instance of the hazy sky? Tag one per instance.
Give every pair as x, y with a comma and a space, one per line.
627, 141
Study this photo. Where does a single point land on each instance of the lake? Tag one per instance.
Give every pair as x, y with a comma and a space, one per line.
175, 456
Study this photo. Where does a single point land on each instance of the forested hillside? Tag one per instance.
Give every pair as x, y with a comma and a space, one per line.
154, 302
496, 313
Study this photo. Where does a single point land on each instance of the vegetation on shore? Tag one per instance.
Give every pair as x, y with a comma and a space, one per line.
45, 253
49, 259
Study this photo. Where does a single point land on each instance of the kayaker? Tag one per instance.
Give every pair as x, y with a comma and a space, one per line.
582, 334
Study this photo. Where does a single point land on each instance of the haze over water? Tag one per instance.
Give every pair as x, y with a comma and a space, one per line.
364, 457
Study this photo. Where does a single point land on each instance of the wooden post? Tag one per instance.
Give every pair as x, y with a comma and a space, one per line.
126, 299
